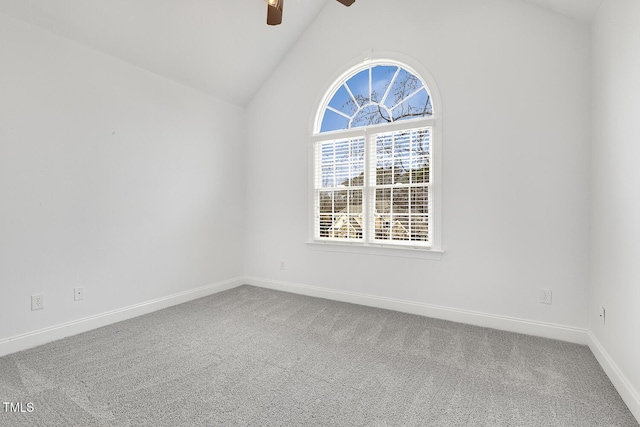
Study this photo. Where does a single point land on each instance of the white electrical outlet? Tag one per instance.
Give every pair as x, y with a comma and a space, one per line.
78, 293
282, 264
37, 302
545, 296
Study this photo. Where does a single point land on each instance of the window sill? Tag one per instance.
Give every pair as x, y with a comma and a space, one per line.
377, 250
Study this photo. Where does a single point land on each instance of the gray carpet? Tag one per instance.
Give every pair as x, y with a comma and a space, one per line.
257, 357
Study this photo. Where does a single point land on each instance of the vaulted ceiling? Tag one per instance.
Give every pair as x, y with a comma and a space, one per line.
582, 10
223, 48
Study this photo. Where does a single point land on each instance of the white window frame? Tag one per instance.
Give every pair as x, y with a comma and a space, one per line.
368, 245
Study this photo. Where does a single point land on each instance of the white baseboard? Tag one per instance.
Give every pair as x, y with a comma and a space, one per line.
505, 323
629, 394
56, 332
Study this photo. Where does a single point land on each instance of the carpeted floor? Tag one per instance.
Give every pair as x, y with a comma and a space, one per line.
257, 357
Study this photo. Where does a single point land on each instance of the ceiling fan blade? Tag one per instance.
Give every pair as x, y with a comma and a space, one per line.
274, 13
347, 2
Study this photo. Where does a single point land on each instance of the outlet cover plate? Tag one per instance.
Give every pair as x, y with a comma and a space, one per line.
545, 296
37, 302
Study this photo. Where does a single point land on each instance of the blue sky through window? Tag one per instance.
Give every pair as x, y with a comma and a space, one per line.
375, 95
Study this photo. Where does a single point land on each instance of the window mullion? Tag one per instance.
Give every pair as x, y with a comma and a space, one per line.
366, 191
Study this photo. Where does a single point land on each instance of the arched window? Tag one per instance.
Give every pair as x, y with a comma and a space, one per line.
373, 159
377, 94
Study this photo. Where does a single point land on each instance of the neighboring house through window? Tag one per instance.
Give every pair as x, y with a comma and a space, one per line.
374, 160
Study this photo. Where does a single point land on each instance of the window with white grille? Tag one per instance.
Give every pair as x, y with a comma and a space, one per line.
373, 160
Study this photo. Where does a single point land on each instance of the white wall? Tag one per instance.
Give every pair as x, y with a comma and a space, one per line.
615, 229
111, 178
514, 81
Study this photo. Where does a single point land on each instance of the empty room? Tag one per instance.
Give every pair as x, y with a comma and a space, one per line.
319, 213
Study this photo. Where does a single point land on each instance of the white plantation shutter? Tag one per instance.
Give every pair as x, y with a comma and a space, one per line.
374, 187
400, 183
339, 186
